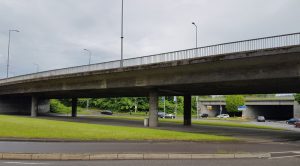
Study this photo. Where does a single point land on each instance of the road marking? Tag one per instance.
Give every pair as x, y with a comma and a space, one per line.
25, 163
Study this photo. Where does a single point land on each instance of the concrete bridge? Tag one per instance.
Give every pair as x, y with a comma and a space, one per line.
279, 109
264, 65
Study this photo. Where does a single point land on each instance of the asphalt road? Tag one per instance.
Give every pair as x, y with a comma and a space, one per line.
209, 162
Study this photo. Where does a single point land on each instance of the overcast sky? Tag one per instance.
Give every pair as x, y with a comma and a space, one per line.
53, 33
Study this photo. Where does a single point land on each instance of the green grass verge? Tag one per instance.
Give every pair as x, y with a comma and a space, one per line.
33, 128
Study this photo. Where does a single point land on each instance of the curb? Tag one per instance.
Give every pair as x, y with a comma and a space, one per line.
127, 156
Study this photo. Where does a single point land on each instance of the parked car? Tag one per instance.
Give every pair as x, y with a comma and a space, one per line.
161, 114
171, 116
204, 115
292, 121
261, 119
223, 116
106, 112
297, 124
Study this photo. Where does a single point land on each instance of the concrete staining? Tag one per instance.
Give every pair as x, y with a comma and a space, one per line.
274, 70
276, 109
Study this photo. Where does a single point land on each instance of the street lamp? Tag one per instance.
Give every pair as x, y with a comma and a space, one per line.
196, 33
195, 51
7, 67
37, 67
122, 33
90, 55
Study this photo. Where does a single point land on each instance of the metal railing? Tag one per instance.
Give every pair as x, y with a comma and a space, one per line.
224, 48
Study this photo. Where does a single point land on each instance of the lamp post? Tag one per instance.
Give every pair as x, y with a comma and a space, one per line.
196, 33
122, 33
90, 55
7, 67
196, 30
37, 67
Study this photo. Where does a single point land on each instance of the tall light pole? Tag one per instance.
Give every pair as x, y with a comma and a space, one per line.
90, 55
122, 33
196, 28
7, 67
196, 33
37, 67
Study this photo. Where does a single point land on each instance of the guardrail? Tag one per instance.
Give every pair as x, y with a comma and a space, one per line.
224, 48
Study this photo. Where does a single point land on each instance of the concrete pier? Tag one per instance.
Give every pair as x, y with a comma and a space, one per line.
296, 109
74, 107
153, 109
34, 106
187, 115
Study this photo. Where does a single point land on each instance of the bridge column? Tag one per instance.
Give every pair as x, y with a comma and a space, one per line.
34, 106
187, 115
296, 109
74, 107
153, 109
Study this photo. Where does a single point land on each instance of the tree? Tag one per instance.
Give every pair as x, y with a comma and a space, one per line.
233, 102
297, 97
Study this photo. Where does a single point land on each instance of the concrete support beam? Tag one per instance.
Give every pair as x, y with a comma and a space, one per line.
296, 109
34, 106
153, 109
74, 107
187, 115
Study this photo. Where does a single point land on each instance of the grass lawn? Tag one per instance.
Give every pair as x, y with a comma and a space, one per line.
34, 128
208, 122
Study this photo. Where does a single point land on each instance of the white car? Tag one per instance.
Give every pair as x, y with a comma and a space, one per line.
223, 116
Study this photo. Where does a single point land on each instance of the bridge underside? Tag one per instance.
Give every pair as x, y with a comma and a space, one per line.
290, 85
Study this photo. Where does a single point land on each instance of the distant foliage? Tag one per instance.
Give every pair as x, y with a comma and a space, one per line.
233, 102
57, 106
122, 104
297, 97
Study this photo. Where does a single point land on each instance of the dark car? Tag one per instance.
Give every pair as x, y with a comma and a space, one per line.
292, 121
107, 112
204, 115
261, 119
297, 124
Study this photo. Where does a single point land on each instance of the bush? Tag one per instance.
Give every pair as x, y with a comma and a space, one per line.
297, 97
233, 102
57, 107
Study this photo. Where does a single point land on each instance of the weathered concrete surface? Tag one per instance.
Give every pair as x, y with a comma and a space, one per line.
74, 107
153, 109
264, 71
34, 106
187, 112
16, 105
22, 105
279, 109
256, 102
296, 110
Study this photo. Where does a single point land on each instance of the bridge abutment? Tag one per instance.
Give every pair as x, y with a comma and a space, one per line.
153, 108
74, 107
187, 115
296, 109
